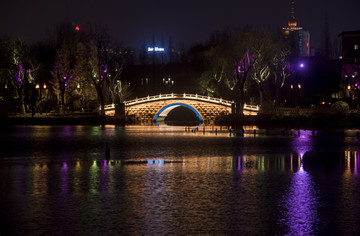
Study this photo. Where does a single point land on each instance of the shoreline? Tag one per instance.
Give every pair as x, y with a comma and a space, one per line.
235, 122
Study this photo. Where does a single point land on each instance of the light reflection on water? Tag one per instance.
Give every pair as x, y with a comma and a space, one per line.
165, 180
301, 203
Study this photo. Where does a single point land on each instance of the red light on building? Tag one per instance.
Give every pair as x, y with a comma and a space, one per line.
77, 28
307, 44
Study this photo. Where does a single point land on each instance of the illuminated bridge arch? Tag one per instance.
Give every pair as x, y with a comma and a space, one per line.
160, 116
155, 108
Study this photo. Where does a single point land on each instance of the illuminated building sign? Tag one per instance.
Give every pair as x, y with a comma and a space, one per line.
292, 28
156, 49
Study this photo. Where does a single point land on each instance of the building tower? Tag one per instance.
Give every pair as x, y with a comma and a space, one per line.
300, 37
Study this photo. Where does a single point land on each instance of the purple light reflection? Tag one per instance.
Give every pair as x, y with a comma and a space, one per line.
303, 143
67, 131
64, 178
104, 178
300, 205
65, 167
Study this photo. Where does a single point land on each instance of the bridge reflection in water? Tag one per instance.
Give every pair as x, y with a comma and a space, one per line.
292, 162
287, 163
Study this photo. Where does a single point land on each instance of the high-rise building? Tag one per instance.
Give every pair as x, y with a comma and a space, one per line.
350, 47
300, 38
350, 55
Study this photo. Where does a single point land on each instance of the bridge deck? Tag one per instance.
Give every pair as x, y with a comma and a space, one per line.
179, 96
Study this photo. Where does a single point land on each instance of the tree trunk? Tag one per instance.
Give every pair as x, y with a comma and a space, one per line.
62, 101
261, 93
101, 99
21, 101
242, 99
120, 110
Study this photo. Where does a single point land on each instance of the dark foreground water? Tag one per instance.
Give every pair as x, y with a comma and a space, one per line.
162, 180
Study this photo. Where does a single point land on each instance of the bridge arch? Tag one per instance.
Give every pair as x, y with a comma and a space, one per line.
163, 112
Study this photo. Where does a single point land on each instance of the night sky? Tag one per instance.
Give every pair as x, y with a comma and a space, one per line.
188, 21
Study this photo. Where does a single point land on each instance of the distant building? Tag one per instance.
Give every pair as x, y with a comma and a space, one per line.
299, 37
350, 43
350, 55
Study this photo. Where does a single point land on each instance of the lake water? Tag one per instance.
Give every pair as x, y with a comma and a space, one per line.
59, 180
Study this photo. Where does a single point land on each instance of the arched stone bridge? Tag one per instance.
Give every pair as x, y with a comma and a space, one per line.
156, 108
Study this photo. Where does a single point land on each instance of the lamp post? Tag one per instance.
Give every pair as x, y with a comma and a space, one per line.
169, 82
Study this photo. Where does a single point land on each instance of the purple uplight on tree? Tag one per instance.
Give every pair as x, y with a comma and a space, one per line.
63, 74
105, 70
19, 80
351, 75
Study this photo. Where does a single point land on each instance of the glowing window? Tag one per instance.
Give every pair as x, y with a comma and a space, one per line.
356, 47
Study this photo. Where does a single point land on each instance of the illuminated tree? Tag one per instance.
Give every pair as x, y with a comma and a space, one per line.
81, 88
271, 54
218, 75
242, 69
64, 62
101, 60
62, 73
117, 91
21, 76
351, 75
98, 72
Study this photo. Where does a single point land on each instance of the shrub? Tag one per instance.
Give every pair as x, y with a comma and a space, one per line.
340, 109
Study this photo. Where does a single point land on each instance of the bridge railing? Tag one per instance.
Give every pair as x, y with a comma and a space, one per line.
175, 95
251, 107
109, 106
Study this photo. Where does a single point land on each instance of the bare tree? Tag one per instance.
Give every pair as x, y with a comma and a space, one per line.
242, 69
99, 58
63, 74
